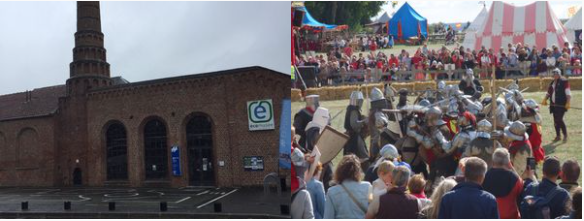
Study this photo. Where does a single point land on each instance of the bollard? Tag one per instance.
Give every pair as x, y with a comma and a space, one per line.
67, 205
24, 205
217, 207
163, 207
112, 206
285, 209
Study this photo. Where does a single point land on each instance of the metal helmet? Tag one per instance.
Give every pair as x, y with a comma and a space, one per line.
376, 94
321, 117
516, 131
469, 75
452, 108
312, 101
356, 99
424, 103
484, 128
531, 104
389, 152
513, 86
518, 96
454, 91
441, 85
434, 116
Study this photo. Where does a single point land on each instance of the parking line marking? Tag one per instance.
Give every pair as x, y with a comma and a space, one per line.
206, 191
213, 200
84, 198
182, 200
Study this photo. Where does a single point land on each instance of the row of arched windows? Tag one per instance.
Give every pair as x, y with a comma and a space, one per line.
156, 151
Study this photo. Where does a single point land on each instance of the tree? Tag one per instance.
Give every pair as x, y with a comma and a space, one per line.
349, 13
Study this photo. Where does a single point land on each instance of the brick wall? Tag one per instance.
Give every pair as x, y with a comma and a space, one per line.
27, 152
223, 98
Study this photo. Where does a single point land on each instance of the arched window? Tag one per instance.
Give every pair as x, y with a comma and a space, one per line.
155, 150
28, 148
200, 151
117, 152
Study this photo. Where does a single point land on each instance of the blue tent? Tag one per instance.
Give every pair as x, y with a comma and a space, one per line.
406, 23
310, 21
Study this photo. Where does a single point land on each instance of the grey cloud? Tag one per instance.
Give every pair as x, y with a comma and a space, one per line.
144, 40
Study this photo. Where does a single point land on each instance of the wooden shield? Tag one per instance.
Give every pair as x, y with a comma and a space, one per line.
330, 143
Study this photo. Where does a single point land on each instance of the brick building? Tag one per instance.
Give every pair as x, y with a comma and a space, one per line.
97, 130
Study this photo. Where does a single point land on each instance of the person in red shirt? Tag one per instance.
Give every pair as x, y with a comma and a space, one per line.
348, 50
530, 116
504, 184
393, 61
373, 46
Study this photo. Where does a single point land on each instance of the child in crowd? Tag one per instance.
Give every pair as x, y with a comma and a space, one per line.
417, 186
577, 71
383, 183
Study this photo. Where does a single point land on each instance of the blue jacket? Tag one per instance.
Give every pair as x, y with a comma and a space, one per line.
316, 190
339, 205
468, 201
557, 204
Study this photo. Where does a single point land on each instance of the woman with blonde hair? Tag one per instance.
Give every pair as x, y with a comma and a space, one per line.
431, 211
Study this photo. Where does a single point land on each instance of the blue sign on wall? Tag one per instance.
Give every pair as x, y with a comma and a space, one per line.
175, 155
285, 134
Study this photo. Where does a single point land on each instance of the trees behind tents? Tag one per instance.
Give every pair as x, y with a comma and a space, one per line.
351, 13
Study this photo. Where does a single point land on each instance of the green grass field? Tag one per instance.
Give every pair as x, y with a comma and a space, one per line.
564, 151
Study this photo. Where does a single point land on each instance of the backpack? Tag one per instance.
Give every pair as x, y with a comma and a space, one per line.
536, 206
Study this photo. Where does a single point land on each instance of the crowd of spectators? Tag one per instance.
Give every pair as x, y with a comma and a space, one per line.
482, 191
368, 64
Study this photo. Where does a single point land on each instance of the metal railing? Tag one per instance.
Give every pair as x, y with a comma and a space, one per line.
374, 76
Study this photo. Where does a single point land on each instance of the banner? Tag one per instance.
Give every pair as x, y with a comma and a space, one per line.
285, 134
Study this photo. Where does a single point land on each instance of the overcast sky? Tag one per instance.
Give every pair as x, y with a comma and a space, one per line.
144, 40
464, 11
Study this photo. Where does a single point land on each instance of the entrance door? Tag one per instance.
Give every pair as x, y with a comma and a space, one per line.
77, 178
200, 152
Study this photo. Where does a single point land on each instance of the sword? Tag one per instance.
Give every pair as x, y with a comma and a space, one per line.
336, 115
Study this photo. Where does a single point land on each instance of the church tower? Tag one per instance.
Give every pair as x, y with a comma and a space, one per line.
89, 68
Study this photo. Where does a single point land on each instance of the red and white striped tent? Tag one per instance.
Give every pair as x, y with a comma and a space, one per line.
533, 24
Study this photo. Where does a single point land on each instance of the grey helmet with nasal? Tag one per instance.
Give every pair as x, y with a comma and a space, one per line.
484, 128
356, 99
312, 101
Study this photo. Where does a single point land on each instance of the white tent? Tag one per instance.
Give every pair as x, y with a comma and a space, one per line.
469, 37
575, 23
533, 24
384, 18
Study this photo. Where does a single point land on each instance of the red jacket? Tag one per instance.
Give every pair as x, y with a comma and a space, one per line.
507, 192
535, 140
393, 61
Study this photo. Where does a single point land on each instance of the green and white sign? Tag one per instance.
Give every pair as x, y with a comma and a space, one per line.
260, 115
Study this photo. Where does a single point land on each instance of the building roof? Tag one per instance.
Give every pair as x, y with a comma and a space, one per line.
35, 103
45, 101
191, 76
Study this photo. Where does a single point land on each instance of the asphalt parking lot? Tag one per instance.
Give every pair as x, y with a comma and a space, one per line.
189, 202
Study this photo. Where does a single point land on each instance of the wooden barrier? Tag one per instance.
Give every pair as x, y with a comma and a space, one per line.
534, 84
